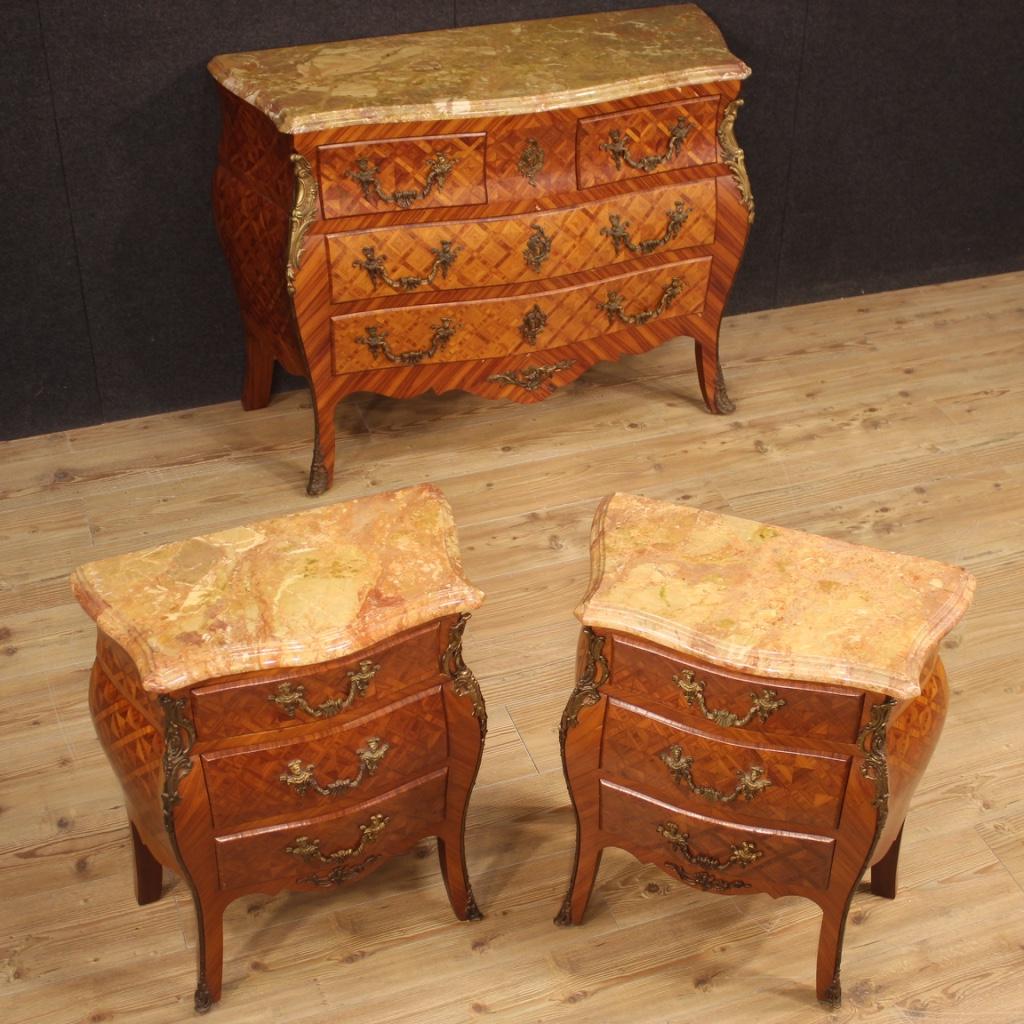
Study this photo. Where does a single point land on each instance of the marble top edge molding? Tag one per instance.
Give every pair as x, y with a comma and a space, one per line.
287, 592
874, 640
481, 70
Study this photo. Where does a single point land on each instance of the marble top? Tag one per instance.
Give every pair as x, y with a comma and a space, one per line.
297, 590
513, 68
766, 600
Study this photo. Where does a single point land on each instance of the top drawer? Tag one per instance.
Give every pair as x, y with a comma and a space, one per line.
379, 175
646, 140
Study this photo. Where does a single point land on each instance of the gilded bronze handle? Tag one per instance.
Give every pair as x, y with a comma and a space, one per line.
302, 779
376, 340
614, 309
741, 854
532, 324
538, 248
618, 231
618, 146
706, 881
531, 161
763, 704
533, 377
444, 257
309, 849
293, 698
366, 172
751, 782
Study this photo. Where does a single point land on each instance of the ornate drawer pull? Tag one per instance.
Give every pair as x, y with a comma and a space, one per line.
742, 855
291, 699
533, 323
613, 305
533, 377
531, 161
751, 782
444, 257
762, 704
705, 881
538, 248
309, 849
376, 340
440, 165
619, 232
303, 779
618, 146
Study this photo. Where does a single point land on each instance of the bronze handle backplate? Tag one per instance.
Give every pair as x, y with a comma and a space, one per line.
741, 854
531, 161
309, 849
751, 782
613, 305
618, 147
376, 340
706, 881
293, 698
533, 377
532, 324
763, 704
538, 248
303, 778
366, 172
444, 257
618, 231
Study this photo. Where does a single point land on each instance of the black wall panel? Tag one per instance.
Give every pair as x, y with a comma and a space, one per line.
880, 138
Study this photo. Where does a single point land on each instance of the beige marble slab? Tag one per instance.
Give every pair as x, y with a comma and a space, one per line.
763, 599
513, 68
296, 590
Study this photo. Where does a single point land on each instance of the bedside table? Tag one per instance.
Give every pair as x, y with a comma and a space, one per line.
285, 704
754, 707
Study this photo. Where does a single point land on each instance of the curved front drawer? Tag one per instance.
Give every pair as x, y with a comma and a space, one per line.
554, 243
487, 328
329, 768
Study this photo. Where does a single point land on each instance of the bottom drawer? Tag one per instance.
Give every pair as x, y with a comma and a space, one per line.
714, 855
333, 849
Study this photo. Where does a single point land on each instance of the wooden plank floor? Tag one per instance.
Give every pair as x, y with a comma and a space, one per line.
895, 420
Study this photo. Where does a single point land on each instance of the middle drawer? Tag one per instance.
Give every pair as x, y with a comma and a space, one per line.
329, 768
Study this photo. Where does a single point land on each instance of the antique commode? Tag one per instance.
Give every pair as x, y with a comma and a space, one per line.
754, 707
285, 704
493, 209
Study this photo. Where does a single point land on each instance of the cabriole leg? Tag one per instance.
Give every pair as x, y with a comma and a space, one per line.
149, 875
883, 873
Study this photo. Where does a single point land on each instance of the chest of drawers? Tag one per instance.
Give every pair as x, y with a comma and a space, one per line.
789, 776
491, 209
302, 776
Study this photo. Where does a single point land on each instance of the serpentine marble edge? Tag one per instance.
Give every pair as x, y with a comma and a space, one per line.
770, 601
512, 68
297, 590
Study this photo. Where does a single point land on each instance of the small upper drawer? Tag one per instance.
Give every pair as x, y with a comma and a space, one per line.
646, 140
401, 174
295, 697
730, 703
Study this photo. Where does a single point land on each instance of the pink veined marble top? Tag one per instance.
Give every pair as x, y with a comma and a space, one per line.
297, 590
766, 600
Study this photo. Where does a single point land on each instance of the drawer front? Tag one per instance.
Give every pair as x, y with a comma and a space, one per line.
472, 254
294, 697
327, 768
713, 700
711, 775
382, 175
338, 848
714, 855
646, 140
444, 333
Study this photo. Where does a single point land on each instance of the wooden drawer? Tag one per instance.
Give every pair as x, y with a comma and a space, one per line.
711, 854
358, 839
380, 175
554, 243
720, 700
696, 770
328, 767
447, 333
646, 140
294, 697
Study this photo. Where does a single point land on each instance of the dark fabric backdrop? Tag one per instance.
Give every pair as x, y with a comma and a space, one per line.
883, 140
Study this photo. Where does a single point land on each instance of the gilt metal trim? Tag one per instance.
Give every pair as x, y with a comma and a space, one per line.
376, 340
302, 778
751, 783
366, 171
587, 691
723, 403
444, 257
618, 147
763, 704
619, 231
706, 881
532, 378
309, 849
305, 203
464, 683
293, 698
534, 321
733, 156
538, 248
742, 855
613, 305
531, 160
